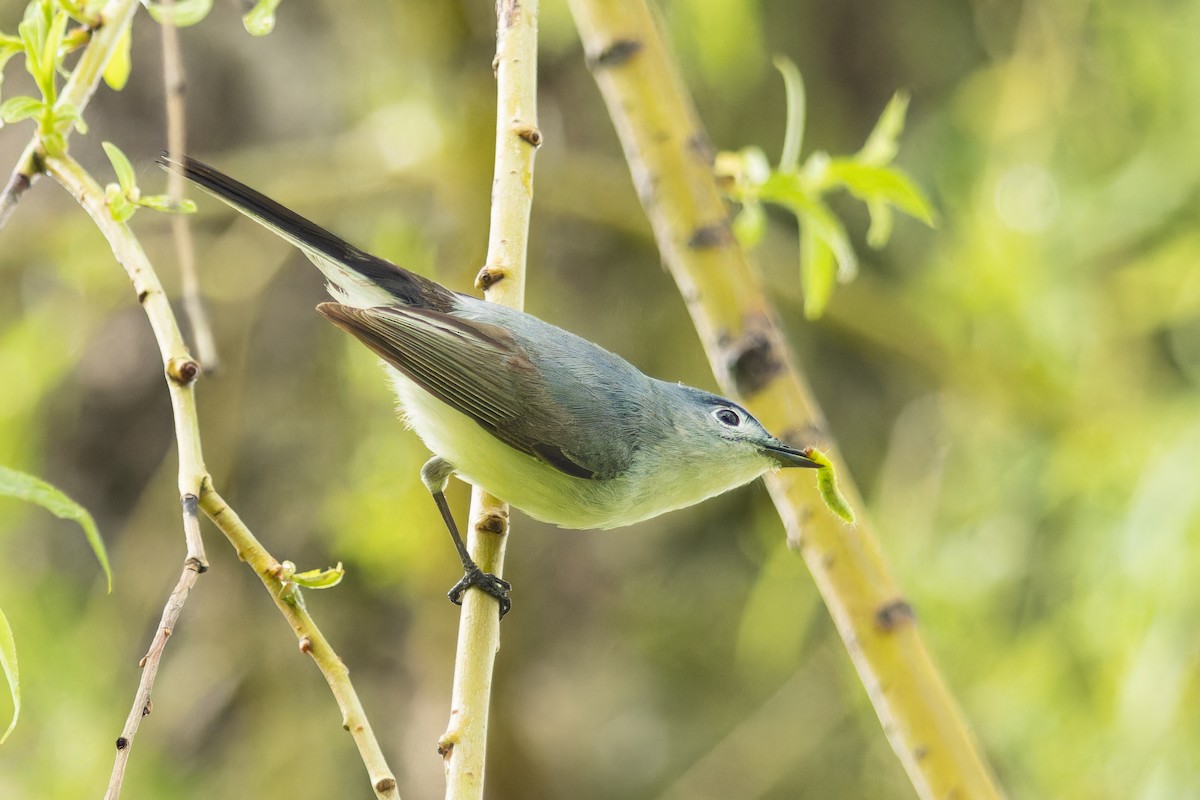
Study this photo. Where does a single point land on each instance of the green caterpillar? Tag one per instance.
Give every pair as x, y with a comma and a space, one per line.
827, 485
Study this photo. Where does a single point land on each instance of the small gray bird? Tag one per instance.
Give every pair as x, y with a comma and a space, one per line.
544, 420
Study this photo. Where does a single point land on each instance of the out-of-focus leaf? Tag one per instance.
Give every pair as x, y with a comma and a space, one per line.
32, 31
181, 14
8, 49
749, 224
868, 183
66, 115
790, 191
793, 137
883, 143
8, 661
51, 47
34, 490
260, 20
818, 273
881, 223
125, 174
116, 72
15, 109
119, 204
164, 203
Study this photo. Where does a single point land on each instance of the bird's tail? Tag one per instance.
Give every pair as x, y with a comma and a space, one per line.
357, 278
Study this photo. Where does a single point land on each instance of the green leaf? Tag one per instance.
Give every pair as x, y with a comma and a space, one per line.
260, 20
54, 143
883, 143
750, 224
164, 203
181, 14
119, 205
7, 51
818, 273
8, 661
15, 109
33, 490
116, 71
881, 223
320, 578
32, 30
793, 86
50, 50
60, 120
125, 174
868, 182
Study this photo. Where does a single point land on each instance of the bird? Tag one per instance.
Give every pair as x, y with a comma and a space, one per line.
539, 417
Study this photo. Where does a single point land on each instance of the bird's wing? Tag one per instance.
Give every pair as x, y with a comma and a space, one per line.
479, 370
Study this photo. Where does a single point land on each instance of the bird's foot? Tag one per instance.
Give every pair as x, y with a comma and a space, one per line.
485, 581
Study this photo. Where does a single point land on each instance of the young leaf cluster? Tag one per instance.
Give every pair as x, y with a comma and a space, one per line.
52, 29
42, 37
124, 197
826, 254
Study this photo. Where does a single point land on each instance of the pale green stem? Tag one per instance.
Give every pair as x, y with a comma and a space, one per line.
464, 744
197, 492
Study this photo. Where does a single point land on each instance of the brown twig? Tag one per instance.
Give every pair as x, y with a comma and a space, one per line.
142, 704
174, 88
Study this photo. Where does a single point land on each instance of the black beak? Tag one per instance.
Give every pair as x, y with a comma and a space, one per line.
788, 456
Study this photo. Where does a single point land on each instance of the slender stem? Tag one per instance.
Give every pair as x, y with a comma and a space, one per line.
197, 492
670, 160
290, 603
149, 663
114, 18
175, 86
464, 744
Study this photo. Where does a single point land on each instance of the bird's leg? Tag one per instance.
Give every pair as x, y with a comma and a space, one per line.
435, 475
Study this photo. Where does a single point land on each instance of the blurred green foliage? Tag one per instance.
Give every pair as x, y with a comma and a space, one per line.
1016, 393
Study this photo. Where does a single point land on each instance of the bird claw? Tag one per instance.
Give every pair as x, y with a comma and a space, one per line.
485, 581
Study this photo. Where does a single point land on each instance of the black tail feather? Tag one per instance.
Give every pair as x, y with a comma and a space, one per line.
408, 287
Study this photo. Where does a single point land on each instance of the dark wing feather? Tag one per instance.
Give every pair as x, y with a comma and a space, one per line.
475, 368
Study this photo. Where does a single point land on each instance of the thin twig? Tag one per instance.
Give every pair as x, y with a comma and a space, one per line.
670, 159
464, 744
196, 488
175, 88
112, 21
19, 182
290, 603
142, 705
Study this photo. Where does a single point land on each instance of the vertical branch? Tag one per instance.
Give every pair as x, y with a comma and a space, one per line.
175, 87
670, 159
463, 746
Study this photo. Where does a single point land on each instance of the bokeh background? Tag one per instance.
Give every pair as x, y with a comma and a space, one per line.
1016, 393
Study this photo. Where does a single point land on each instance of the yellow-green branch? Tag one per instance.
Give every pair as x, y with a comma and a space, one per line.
197, 492
464, 744
670, 159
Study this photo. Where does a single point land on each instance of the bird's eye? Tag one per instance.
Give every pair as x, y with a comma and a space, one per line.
727, 416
